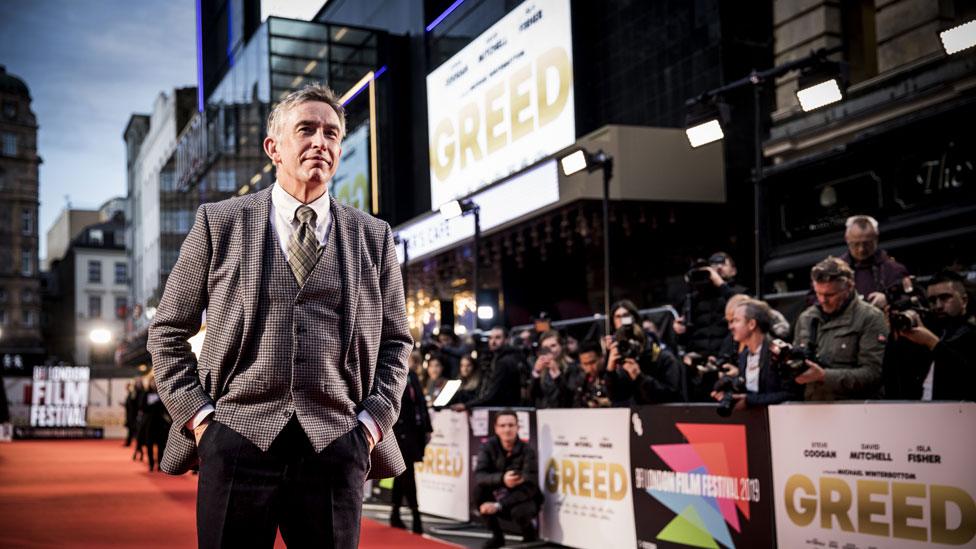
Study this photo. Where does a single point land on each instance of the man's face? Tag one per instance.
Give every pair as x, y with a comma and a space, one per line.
308, 146
444, 340
831, 295
946, 300
552, 345
740, 326
506, 428
496, 338
590, 363
726, 269
861, 242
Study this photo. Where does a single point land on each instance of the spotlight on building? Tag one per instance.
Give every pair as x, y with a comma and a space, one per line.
959, 38
100, 336
704, 121
820, 85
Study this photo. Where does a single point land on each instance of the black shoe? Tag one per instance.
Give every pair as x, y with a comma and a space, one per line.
418, 527
494, 542
397, 522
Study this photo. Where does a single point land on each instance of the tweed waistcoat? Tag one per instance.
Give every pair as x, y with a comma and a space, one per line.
292, 365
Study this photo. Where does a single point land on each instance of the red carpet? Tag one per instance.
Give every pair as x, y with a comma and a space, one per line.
90, 494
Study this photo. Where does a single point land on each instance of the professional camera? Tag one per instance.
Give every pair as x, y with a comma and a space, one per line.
728, 386
711, 364
789, 361
630, 342
698, 276
903, 297
594, 395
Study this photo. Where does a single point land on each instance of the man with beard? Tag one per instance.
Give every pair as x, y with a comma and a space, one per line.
936, 359
501, 378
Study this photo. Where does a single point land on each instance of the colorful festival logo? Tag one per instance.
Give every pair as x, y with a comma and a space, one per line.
709, 479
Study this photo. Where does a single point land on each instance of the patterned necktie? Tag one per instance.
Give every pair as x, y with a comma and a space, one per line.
303, 247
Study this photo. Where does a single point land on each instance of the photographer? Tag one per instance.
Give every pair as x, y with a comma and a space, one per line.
507, 481
764, 383
553, 373
500, 379
846, 333
874, 270
701, 327
589, 389
638, 372
932, 356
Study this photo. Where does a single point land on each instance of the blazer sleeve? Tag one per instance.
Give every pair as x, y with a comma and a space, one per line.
177, 320
383, 401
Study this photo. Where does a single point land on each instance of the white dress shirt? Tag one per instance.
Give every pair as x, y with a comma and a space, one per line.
285, 223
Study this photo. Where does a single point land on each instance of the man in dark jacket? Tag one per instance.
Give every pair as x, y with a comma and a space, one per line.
701, 328
935, 360
412, 430
507, 481
874, 270
653, 376
751, 324
502, 379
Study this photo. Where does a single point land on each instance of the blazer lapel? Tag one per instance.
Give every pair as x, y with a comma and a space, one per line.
347, 229
255, 218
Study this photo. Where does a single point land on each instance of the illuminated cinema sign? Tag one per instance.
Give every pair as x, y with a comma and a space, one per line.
59, 396
503, 102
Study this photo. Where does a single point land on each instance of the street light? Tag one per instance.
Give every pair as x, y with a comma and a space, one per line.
820, 85
467, 206
959, 38
580, 160
100, 336
704, 120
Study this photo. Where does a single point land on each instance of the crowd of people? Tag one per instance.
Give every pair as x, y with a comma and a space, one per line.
871, 331
147, 422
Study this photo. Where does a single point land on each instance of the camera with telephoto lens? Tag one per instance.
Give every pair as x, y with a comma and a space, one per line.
728, 385
790, 361
904, 297
698, 276
710, 364
630, 343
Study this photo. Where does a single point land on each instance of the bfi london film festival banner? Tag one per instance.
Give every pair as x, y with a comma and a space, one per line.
502, 102
59, 396
442, 478
874, 475
701, 480
584, 471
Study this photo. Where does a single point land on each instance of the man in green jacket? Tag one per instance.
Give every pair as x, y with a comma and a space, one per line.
848, 334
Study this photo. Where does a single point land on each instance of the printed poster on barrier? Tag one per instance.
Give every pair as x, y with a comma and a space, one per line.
701, 480
874, 475
442, 478
585, 476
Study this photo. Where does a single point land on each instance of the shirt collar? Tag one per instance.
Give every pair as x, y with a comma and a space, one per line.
287, 205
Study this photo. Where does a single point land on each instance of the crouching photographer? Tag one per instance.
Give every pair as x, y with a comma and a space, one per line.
590, 387
764, 375
639, 372
932, 354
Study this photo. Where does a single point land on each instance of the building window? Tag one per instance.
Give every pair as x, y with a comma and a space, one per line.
10, 144
226, 181
167, 181
26, 263
121, 307
9, 110
27, 296
121, 273
96, 236
29, 318
95, 272
27, 222
94, 306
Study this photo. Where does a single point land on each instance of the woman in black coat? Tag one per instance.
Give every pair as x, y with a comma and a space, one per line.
412, 431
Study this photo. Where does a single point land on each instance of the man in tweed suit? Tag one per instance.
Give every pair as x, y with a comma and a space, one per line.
304, 360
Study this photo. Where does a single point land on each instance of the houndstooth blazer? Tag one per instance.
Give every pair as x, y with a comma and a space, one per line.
219, 271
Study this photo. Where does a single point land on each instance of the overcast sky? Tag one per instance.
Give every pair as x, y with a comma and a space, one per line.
89, 65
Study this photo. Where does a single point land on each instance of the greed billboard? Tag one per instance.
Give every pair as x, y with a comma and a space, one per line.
502, 102
875, 475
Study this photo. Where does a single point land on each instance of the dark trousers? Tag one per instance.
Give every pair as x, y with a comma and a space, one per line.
405, 485
519, 506
244, 495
